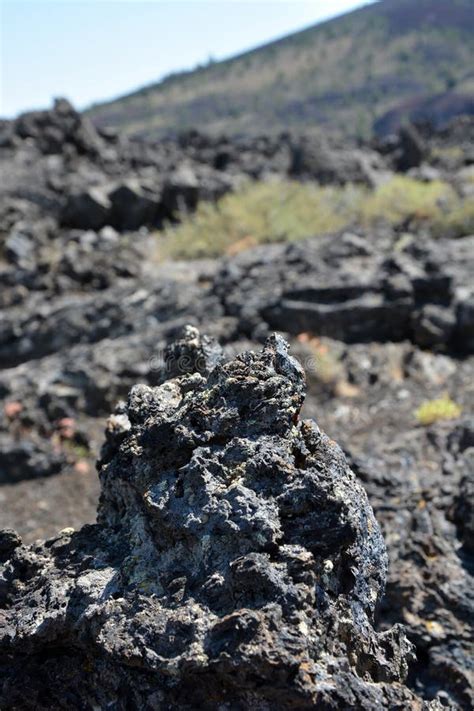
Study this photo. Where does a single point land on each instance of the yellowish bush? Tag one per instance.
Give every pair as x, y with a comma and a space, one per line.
284, 210
403, 198
456, 222
258, 213
437, 410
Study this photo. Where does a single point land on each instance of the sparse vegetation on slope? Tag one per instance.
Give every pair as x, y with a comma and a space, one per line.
283, 210
388, 58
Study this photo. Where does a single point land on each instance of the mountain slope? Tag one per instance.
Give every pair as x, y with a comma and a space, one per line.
343, 74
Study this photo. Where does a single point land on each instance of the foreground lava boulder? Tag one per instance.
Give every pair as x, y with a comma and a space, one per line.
236, 562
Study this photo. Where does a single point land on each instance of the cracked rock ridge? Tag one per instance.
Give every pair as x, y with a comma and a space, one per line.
235, 564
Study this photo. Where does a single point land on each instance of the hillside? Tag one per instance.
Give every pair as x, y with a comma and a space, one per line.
373, 66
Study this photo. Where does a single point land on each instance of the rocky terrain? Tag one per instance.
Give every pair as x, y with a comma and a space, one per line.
235, 561
265, 591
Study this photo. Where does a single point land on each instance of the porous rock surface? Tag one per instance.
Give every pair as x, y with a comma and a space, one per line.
236, 562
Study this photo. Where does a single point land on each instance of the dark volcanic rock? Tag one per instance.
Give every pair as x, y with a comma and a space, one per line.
39, 328
187, 186
133, 205
86, 314
428, 523
433, 325
465, 327
313, 158
62, 126
236, 562
355, 289
87, 210
411, 150
25, 459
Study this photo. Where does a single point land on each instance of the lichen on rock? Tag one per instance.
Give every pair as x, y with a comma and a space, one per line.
236, 562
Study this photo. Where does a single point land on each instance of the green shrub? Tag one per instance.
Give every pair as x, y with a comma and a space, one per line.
259, 213
456, 222
403, 198
284, 210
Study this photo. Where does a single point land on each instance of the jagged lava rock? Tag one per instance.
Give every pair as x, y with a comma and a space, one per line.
236, 562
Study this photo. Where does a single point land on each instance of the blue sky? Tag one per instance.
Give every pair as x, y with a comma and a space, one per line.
90, 50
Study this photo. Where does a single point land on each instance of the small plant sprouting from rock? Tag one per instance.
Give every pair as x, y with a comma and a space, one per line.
438, 410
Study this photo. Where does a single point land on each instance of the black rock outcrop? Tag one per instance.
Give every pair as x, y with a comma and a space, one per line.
355, 289
236, 562
55, 130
